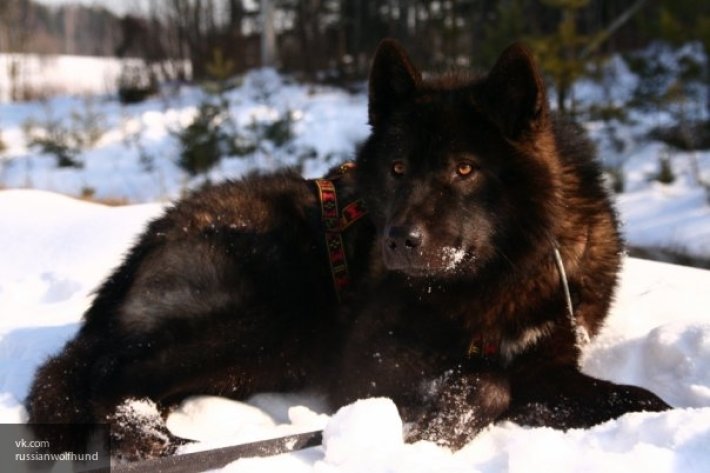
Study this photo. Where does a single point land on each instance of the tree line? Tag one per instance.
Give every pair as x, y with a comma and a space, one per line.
30, 27
333, 39
336, 37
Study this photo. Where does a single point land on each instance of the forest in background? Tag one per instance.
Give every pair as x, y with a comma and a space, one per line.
333, 39
634, 73
330, 41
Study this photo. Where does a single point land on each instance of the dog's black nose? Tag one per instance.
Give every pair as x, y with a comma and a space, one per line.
404, 238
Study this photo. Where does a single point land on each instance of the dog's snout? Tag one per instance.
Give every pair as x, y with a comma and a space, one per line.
404, 237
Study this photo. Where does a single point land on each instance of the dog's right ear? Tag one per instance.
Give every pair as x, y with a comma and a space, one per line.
393, 79
514, 93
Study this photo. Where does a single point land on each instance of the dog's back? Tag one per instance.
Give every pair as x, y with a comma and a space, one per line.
228, 293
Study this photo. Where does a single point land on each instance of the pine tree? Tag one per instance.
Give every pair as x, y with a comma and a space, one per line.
559, 52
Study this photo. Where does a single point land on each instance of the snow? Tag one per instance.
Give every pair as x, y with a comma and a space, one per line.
452, 257
63, 74
46, 75
136, 158
670, 217
57, 249
369, 430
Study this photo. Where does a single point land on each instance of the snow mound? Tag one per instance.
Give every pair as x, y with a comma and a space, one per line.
672, 360
658, 442
368, 429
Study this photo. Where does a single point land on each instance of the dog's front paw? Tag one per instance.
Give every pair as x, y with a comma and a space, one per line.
626, 398
138, 432
581, 403
459, 406
445, 428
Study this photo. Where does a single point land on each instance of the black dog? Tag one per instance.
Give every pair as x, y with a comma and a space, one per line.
479, 202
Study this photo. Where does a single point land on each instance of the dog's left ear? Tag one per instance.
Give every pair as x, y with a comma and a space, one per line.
513, 94
393, 80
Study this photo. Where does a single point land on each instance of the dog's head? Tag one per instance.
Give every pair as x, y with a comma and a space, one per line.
459, 174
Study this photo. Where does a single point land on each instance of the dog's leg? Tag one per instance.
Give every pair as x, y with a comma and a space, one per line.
562, 397
60, 395
64, 407
133, 390
459, 405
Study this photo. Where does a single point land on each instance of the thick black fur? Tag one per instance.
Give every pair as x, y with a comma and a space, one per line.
470, 184
229, 293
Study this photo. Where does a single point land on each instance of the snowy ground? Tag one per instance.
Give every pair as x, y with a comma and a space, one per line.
136, 158
57, 249
40, 75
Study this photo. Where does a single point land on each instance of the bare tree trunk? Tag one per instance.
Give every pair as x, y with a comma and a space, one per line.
307, 19
69, 29
615, 25
268, 34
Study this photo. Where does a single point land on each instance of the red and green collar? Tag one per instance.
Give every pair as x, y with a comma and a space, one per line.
335, 222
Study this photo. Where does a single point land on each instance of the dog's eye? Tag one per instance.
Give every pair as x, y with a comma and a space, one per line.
464, 169
399, 168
